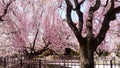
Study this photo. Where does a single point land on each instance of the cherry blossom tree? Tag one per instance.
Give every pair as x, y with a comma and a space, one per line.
22, 21
105, 12
58, 33
36, 25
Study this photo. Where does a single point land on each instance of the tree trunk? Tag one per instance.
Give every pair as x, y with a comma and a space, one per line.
86, 57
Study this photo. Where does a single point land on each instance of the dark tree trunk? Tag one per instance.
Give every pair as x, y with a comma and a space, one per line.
86, 58
86, 51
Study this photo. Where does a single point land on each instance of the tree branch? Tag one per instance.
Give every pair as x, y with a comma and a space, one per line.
43, 49
34, 41
38, 52
3, 1
90, 18
106, 3
95, 7
79, 13
117, 0
117, 9
6, 9
112, 4
69, 20
109, 16
35, 38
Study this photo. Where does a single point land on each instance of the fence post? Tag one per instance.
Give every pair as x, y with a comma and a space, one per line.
114, 62
111, 66
64, 61
40, 63
21, 62
4, 62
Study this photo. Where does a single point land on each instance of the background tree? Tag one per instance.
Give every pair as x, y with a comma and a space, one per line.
34, 26
35, 23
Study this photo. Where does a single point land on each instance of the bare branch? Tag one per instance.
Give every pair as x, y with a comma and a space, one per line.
90, 18
109, 16
35, 38
105, 6
78, 4
38, 52
46, 43
69, 20
34, 41
117, 9
80, 14
112, 4
106, 3
95, 7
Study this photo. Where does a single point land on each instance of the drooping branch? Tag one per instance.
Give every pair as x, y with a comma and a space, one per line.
109, 16
69, 20
79, 13
6, 9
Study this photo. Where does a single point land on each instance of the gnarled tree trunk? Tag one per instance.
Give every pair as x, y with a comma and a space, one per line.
86, 58
86, 51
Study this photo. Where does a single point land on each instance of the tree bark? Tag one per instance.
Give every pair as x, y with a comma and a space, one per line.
87, 53
86, 58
